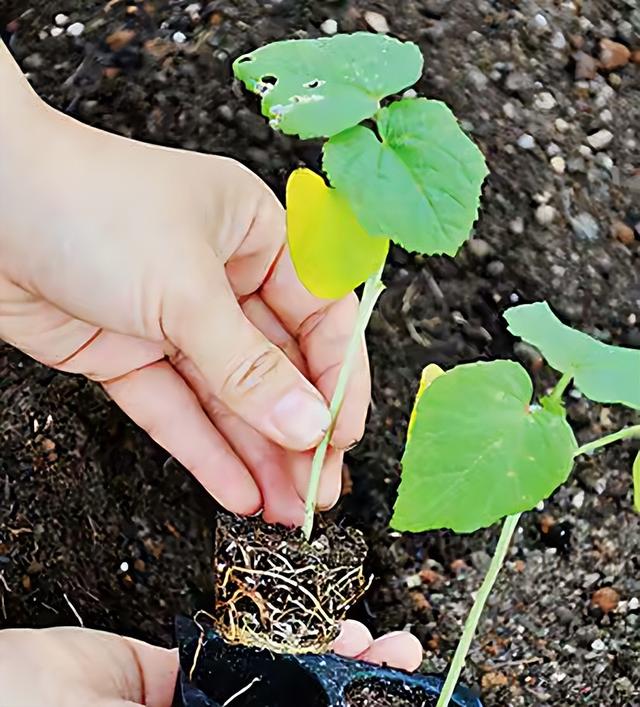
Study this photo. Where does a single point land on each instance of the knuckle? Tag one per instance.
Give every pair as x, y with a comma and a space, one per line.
250, 372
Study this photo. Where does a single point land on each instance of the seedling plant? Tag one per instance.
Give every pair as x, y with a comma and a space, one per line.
478, 449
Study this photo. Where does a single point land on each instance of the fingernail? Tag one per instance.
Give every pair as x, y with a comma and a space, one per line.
301, 419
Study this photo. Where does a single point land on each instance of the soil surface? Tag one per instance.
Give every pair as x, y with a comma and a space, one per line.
94, 524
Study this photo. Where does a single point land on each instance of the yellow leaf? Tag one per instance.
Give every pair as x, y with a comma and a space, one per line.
430, 373
331, 252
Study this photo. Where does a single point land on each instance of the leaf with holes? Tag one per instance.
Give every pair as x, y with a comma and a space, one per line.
604, 373
331, 252
420, 184
478, 451
319, 87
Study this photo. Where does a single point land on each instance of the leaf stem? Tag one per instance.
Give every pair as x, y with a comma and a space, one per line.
471, 624
373, 288
561, 386
625, 433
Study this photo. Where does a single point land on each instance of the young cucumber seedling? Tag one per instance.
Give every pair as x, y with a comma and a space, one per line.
410, 176
477, 449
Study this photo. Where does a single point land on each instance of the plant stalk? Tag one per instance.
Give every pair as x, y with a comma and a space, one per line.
471, 624
561, 386
373, 288
627, 432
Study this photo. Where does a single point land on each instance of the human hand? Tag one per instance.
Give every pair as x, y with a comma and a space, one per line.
165, 276
71, 667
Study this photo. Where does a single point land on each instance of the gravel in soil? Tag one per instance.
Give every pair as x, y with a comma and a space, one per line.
92, 520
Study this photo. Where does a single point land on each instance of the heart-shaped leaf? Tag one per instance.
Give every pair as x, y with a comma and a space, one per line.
478, 451
319, 87
420, 184
331, 252
604, 373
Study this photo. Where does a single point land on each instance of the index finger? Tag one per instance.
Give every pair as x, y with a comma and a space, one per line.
323, 329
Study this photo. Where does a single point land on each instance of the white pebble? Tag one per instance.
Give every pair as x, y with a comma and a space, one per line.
76, 29
526, 141
558, 164
517, 226
377, 22
56, 31
509, 110
604, 160
585, 151
540, 21
558, 41
598, 645
179, 37
410, 93
578, 500
193, 10
545, 214
600, 139
61, 20
329, 26
544, 101
553, 149
606, 116
561, 125
634, 604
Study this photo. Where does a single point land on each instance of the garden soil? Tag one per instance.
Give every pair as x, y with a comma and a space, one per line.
96, 526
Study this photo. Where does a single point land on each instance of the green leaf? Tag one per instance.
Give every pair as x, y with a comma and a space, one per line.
420, 185
331, 252
479, 452
319, 87
636, 483
604, 373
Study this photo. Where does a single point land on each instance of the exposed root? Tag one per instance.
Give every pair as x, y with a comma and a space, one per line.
276, 591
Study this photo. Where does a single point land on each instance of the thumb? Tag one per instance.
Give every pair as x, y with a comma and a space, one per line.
249, 374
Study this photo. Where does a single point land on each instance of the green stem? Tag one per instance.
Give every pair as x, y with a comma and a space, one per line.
608, 439
471, 624
372, 290
562, 385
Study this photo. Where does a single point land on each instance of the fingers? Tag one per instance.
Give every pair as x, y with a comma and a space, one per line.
400, 649
323, 330
354, 639
330, 481
254, 379
159, 401
158, 668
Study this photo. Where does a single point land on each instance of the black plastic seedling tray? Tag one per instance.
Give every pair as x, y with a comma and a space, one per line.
234, 676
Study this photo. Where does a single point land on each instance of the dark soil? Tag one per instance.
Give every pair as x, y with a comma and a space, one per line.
275, 590
371, 693
92, 522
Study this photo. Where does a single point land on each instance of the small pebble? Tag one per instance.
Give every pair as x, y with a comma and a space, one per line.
479, 248
179, 37
540, 21
56, 31
598, 645
544, 101
517, 226
623, 233
553, 149
329, 27
585, 226
509, 110
61, 20
561, 125
604, 160
634, 604
76, 29
558, 164
585, 151
526, 141
545, 214
377, 22
601, 139
606, 599
613, 55
410, 93
578, 500
495, 268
